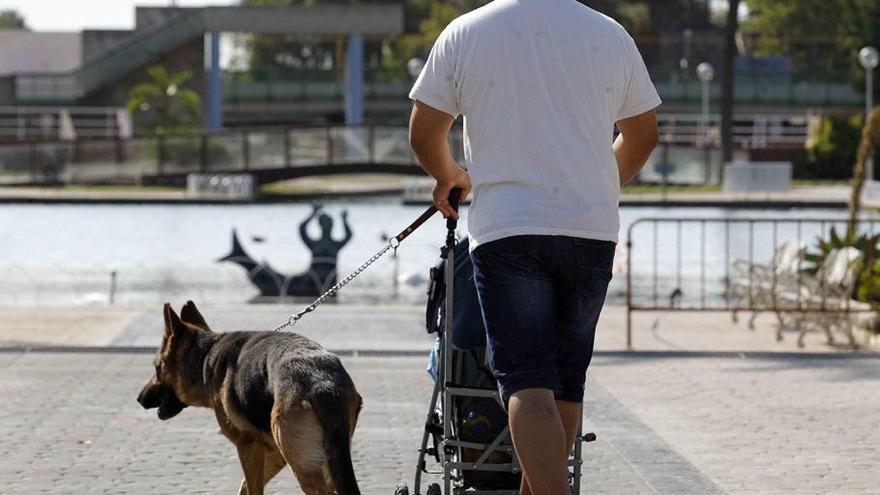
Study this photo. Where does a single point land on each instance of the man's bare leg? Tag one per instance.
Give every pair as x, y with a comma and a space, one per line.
570, 414
539, 437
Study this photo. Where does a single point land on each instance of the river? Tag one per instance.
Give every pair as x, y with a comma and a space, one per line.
65, 254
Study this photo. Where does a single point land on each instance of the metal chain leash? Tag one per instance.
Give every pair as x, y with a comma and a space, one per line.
393, 243
294, 318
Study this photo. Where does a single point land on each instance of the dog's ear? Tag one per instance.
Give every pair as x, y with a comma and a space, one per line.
190, 314
173, 325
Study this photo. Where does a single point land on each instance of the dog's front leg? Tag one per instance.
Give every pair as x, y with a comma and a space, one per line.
252, 456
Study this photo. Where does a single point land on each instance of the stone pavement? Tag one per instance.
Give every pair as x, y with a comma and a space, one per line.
70, 424
783, 424
681, 418
377, 327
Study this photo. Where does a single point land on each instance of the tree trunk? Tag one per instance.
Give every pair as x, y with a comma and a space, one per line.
870, 139
728, 74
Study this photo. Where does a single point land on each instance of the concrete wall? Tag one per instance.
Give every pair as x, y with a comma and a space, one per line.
29, 52
146, 18
368, 19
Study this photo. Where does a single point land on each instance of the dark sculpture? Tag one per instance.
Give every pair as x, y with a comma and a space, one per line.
321, 274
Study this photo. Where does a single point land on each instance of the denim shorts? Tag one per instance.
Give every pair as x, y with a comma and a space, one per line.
541, 297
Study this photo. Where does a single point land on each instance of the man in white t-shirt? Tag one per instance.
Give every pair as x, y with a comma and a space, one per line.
541, 85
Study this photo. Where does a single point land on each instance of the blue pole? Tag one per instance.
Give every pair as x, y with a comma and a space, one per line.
354, 80
215, 85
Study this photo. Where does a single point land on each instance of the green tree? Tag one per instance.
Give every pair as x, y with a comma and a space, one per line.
820, 36
418, 44
11, 19
163, 105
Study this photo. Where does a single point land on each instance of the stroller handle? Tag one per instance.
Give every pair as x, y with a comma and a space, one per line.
454, 200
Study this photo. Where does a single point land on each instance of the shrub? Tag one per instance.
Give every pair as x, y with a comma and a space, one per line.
832, 151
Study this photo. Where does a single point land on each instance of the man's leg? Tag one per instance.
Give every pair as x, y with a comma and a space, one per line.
570, 413
539, 437
583, 275
518, 300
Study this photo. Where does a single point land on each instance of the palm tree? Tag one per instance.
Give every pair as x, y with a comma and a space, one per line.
870, 140
165, 103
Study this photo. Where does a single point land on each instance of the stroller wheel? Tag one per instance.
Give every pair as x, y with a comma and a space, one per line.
434, 489
401, 489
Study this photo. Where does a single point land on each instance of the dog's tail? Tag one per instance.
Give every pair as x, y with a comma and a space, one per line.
334, 413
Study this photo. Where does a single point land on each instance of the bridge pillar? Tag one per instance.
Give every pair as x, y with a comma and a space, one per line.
215, 84
354, 80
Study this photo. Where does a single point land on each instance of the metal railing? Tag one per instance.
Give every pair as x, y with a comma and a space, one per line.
254, 151
62, 123
732, 265
749, 130
681, 158
245, 87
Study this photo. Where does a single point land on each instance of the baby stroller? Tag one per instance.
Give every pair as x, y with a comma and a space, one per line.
466, 431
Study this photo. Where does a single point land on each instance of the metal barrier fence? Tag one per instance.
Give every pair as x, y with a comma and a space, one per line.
742, 265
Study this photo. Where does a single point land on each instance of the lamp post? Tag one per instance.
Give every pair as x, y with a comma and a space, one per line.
705, 72
869, 58
414, 67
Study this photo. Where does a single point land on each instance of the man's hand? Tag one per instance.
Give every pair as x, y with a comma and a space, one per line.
444, 186
429, 139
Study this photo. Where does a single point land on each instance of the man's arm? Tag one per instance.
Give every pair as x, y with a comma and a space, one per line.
429, 139
638, 138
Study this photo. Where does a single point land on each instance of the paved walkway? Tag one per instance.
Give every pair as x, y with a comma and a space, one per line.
71, 425
379, 327
765, 419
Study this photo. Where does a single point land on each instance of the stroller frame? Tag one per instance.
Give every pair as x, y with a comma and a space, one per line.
447, 447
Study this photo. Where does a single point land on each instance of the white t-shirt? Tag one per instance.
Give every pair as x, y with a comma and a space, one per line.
540, 84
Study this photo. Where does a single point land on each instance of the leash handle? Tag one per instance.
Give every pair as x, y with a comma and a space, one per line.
418, 223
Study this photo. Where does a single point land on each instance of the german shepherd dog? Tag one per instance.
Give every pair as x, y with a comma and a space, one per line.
279, 397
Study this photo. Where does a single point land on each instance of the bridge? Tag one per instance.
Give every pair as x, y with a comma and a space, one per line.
689, 151
269, 155
160, 31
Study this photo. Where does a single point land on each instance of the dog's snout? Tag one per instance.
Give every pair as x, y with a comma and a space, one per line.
150, 396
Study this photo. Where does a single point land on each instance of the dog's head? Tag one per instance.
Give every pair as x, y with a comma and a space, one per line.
169, 388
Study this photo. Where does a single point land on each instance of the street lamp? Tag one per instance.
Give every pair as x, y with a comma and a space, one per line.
705, 72
869, 58
414, 67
